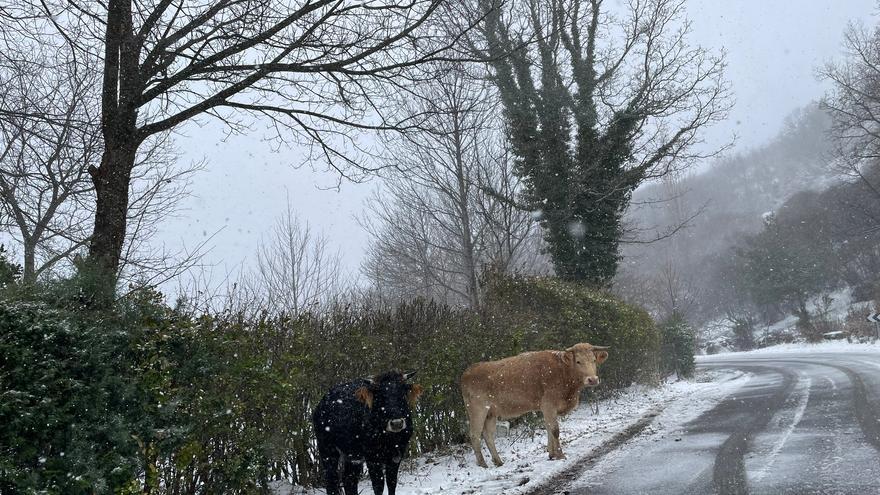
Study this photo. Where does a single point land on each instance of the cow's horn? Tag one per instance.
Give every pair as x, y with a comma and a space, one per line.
408, 374
601, 347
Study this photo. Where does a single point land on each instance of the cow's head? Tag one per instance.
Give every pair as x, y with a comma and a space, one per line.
585, 358
390, 397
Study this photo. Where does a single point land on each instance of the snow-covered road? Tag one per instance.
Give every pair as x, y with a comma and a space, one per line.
807, 421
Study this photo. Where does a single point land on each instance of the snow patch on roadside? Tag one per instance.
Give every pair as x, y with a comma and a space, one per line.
801, 348
454, 472
833, 307
672, 422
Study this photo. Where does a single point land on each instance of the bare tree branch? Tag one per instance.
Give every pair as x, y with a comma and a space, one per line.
296, 270
434, 229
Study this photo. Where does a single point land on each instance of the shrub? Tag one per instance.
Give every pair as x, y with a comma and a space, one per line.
9, 272
68, 405
743, 332
547, 313
677, 349
857, 327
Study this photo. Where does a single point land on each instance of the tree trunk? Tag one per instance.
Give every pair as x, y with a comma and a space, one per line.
121, 86
111, 181
28, 269
467, 243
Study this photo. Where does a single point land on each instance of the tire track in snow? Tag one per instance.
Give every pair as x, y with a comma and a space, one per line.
867, 417
832, 466
801, 394
870, 363
729, 473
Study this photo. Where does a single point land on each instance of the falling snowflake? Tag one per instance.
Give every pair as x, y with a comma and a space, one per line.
577, 229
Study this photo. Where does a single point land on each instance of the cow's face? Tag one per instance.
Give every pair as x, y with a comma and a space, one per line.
585, 359
390, 398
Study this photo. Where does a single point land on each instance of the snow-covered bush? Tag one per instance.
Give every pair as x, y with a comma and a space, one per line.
69, 402
743, 328
9, 272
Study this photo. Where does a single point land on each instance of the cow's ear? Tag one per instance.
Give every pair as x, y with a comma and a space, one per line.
413, 395
365, 395
601, 356
568, 357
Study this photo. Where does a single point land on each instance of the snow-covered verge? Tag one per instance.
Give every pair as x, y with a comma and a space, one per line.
834, 307
803, 347
527, 466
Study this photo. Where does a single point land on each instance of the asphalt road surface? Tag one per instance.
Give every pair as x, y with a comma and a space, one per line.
805, 423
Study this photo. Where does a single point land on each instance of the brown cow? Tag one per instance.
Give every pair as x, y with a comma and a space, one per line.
546, 381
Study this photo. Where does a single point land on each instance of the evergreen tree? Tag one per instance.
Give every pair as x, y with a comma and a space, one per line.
743, 332
785, 264
677, 346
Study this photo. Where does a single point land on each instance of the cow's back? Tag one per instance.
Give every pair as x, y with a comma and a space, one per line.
511, 386
340, 420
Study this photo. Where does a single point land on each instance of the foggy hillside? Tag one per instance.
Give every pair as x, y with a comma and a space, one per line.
714, 209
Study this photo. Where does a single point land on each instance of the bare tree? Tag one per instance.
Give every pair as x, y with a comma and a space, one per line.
434, 226
316, 69
408, 255
49, 135
665, 281
434, 174
854, 103
597, 103
296, 269
675, 292
511, 235
46, 143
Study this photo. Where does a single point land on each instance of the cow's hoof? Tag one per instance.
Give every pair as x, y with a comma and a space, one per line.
556, 457
498, 462
482, 464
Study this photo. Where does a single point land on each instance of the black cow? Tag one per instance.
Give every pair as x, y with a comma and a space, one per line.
365, 421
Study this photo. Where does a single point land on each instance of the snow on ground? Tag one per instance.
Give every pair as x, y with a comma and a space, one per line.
834, 307
672, 422
454, 472
803, 347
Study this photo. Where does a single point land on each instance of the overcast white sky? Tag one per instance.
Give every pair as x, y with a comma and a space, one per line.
773, 49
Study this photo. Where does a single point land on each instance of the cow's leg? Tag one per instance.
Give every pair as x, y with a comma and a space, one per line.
489, 435
552, 424
476, 417
330, 463
350, 476
391, 470
377, 477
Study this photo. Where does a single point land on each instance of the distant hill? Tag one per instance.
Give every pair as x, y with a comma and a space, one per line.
733, 193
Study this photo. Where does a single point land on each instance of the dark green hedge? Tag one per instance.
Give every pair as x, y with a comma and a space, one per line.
69, 402
547, 313
147, 399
